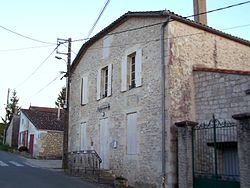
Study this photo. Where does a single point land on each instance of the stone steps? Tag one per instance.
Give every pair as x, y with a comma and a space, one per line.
106, 177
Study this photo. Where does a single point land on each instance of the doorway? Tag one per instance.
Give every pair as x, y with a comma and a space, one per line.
104, 143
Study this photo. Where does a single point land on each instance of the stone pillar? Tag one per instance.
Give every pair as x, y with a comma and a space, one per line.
243, 131
184, 154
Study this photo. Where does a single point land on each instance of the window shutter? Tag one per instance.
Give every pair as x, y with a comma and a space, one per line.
98, 85
138, 65
124, 81
109, 80
84, 94
131, 133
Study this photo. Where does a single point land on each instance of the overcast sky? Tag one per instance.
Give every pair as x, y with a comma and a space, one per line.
27, 65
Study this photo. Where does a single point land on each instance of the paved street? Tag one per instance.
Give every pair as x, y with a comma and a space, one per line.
17, 171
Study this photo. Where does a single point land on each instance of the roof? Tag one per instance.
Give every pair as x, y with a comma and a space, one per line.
45, 118
160, 14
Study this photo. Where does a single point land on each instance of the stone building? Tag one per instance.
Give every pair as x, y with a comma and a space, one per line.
140, 75
41, 131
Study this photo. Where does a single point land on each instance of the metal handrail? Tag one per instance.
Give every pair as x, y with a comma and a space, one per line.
87, 152
84, 161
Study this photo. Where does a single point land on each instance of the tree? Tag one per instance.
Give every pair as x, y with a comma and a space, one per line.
61, 98
11, 108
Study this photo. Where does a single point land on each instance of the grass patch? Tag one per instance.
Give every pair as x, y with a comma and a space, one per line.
4, 147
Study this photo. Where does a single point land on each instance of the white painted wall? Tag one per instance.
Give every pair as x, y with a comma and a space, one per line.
26, 124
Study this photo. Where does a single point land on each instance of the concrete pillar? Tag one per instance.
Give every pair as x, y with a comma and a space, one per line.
184, 154
200, 7
243, 131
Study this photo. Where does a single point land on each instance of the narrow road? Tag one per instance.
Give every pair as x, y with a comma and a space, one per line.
16, 172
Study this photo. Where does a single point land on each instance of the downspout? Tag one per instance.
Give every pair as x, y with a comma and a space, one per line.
162, 89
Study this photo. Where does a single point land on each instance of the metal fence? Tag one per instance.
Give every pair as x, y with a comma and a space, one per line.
215, 155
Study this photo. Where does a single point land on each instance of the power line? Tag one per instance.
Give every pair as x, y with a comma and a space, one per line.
38, 67
151, 25
24, 36
27, 48
218, 9
98, 18
47, 85
157, 39
236, 27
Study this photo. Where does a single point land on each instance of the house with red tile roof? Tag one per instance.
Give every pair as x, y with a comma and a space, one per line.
41, 131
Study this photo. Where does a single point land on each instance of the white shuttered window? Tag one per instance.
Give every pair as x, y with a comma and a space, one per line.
132, 134
84, 90
104, 82
131, 68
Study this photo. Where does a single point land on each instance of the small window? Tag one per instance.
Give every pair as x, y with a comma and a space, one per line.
104, 79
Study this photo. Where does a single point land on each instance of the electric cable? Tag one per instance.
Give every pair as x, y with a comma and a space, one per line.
28, 77
24, 36
98, 18
27, 48
47, 85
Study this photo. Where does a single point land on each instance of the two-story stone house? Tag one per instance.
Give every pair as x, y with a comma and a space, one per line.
133, 80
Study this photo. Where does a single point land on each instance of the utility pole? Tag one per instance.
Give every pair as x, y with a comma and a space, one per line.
66, 124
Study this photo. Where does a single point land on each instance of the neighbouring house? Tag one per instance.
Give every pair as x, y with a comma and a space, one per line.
13, 131
139, 76
41, 131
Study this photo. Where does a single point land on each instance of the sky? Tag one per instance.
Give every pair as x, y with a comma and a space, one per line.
31, 68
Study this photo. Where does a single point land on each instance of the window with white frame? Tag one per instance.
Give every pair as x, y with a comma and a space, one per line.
131, 71
84, 90
132, 133
104, 82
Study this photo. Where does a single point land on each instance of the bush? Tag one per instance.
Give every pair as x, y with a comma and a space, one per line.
23, 148
4, 147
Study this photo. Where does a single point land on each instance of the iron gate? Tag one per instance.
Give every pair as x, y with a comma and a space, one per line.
215, 156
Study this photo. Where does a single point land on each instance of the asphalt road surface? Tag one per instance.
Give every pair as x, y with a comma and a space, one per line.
15, 172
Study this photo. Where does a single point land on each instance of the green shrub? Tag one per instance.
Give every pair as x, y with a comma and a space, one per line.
4, 147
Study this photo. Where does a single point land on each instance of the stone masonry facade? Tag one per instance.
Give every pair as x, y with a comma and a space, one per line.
186, 47
51, 145
144, 168
220, 94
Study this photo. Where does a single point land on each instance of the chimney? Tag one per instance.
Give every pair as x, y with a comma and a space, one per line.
200, 7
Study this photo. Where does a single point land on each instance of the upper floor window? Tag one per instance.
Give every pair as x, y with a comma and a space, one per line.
131, 71
84, 90
104, 82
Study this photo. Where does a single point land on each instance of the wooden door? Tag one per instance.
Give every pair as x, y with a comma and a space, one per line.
31, 144
104, 143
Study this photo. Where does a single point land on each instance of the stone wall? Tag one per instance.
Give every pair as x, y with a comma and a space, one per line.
186, 47
220, 94
51, 145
